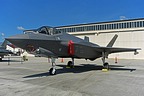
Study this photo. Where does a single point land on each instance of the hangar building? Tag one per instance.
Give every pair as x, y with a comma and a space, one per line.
130, 34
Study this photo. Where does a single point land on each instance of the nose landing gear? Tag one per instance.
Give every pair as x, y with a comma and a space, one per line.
52, 70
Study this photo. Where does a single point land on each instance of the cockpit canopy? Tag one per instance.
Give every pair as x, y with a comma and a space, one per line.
45, 30
48, 30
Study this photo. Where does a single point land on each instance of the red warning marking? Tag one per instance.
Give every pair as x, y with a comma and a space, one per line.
71, 47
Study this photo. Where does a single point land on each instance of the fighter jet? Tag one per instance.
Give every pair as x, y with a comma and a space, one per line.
51, 42
3, 50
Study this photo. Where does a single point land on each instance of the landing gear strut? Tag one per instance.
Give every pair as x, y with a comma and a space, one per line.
70, 64
52, 70
105, 64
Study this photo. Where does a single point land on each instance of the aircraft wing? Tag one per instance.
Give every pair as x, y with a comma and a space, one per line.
4, 52
110, 50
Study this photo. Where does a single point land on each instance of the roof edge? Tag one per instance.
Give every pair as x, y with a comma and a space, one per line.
101, 22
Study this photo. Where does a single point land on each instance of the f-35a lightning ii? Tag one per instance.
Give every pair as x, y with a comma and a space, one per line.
50, 42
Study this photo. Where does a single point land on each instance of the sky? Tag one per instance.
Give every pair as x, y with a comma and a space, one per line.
32, 14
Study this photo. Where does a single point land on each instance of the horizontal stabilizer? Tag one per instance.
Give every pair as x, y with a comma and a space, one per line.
110, 50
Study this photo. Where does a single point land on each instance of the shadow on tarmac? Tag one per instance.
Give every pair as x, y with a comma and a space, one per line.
79, 69
10, 61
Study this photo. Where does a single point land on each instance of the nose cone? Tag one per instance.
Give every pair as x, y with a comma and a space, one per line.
18, 39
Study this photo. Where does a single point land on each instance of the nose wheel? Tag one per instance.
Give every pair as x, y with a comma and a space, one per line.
52, 70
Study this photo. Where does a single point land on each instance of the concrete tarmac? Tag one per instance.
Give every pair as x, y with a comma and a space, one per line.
31, 78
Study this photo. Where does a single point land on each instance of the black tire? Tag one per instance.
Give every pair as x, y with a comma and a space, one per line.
69, 64
52, 71
106, 65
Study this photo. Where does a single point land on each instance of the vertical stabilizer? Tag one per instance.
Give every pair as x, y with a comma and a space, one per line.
86, 39
112, 41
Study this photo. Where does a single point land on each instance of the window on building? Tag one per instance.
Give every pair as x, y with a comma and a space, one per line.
100, 27
114, 26
96, 27
130, 24
138, 24
118, 25
124, 25
105, 27
108, 26
90, 28
141, 24
127, 24
134, 24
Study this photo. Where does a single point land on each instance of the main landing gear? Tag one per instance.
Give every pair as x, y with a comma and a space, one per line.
105, 64
70, 64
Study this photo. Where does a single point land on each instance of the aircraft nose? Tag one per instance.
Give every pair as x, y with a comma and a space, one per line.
17, 38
